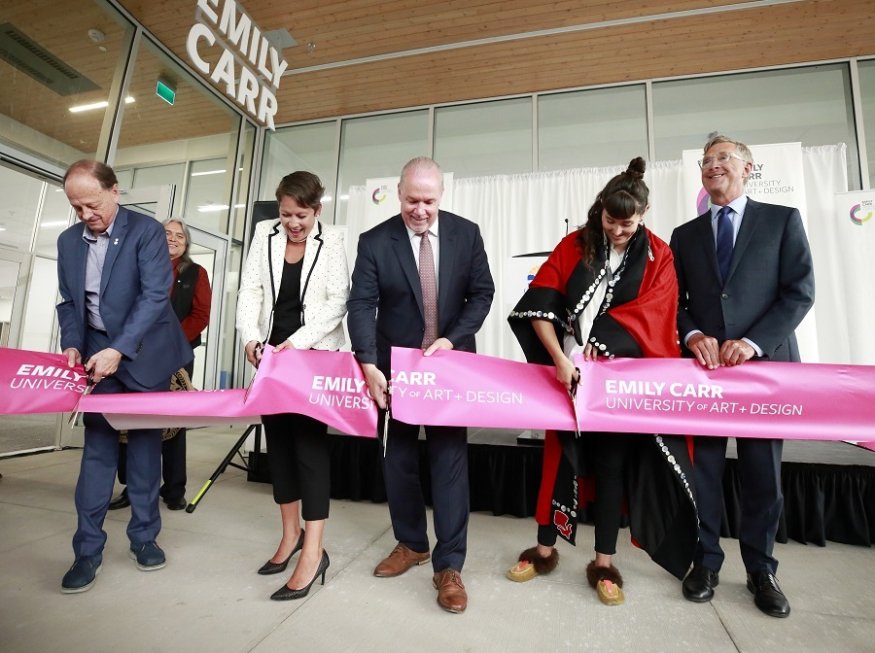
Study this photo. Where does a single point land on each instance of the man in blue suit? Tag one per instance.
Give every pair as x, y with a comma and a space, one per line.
746, 280
421, 280
114, 277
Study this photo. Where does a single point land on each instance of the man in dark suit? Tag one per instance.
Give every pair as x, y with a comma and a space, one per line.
421, 279
746, 280
114, 277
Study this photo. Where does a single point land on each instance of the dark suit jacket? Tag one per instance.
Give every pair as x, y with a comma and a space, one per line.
770, 286
134, 298
385, 302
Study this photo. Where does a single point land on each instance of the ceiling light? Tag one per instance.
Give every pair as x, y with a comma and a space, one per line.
54, 223
95, 105
212, 208
208, 172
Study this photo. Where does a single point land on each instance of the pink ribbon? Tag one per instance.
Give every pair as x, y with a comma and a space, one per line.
760, 399
36, 382
328, 386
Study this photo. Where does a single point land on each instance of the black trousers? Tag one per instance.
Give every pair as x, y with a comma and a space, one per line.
610, 453
448, 461
299, 460
759, 471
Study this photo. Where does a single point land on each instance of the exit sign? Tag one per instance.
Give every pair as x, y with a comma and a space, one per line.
165, 91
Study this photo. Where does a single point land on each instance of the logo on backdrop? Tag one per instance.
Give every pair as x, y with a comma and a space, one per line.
862, 212
380, 194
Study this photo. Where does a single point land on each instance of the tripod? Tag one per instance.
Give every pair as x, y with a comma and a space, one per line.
235, 449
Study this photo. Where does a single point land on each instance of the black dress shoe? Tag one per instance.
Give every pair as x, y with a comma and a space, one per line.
269, 567
176, 504
285, 593
699, 584
121, 501
767, 594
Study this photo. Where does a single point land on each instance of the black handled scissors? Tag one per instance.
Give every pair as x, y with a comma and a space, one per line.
259, 347
572, 394
387, 416
89, 386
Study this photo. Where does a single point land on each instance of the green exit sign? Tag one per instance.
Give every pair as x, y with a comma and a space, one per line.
165, 91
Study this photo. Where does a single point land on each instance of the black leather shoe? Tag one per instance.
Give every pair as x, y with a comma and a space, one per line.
767, 594
286, 593
269, 567
121, 501
699, 584
176, 504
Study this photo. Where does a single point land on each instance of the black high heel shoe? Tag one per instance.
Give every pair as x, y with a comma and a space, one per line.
285, 593
269, 567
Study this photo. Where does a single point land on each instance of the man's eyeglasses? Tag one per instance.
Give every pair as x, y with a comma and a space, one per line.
721, 158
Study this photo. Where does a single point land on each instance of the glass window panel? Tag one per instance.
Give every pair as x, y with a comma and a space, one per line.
810, 105
867, 95
35, 115
491, 138
158, 140
56, 215
378, 146
207, 193
21, 195
244, 174
596, 128
301, 147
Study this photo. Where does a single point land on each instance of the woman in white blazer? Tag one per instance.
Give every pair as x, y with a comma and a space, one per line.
293, 295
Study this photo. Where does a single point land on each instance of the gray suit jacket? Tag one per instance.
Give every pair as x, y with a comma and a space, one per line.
770, 286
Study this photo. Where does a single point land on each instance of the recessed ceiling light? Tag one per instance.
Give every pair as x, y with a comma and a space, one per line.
208, 172
79, 108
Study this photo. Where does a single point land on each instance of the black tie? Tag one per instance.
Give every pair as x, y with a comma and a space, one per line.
724, 242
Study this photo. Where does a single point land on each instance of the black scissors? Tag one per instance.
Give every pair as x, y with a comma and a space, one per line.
572, 394
89, 386
257, 351
387, 416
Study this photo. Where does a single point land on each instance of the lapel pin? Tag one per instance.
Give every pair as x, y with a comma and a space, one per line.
115, 242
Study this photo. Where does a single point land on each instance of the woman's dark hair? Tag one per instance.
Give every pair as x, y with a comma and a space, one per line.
303, 187
104, 175
623, 196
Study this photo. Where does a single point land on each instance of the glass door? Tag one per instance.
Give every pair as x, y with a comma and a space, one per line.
210, 251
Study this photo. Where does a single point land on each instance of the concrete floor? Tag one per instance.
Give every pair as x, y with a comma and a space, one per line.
209, 598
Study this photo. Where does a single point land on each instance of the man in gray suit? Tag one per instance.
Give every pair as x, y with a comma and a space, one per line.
421, 280
746, 280
114, 278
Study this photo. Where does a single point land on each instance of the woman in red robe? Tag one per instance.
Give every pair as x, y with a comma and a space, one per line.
608, 290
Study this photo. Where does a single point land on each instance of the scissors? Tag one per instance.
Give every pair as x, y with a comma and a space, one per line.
258, 349
572, 394
387, 417
89, 386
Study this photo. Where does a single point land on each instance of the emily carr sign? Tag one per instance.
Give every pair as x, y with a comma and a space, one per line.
249, 68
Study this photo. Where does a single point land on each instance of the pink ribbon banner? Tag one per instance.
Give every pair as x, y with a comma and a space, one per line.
765, 400
328, 386
36, 382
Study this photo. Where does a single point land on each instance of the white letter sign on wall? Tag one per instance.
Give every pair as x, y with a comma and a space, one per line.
246, 56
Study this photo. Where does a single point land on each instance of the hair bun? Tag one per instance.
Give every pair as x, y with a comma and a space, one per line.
636, 168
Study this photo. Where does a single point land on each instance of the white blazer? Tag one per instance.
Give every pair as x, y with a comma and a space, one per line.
324, 286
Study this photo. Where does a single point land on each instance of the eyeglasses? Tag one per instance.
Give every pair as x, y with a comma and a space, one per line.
721, 158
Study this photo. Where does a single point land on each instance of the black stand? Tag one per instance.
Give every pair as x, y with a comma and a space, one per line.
226, 462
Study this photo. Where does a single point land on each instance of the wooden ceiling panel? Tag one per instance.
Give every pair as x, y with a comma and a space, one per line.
345, 30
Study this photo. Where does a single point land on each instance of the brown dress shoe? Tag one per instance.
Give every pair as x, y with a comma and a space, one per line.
400, 560
451, 592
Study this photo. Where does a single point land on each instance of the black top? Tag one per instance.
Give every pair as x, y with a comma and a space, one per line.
287, 310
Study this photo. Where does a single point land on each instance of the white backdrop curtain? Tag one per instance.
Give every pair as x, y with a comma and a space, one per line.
520, 214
